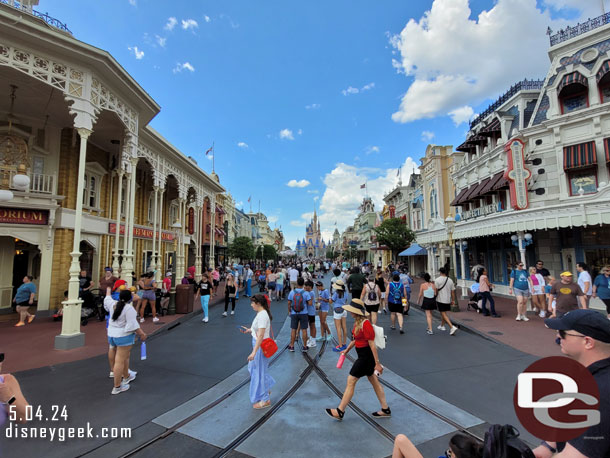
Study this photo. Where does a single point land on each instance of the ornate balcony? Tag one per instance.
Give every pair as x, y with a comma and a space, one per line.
572, 32
26, 7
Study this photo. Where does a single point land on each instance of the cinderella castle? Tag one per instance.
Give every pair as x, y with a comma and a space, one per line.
313, 245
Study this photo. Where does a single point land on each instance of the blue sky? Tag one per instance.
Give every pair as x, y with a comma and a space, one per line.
329, 94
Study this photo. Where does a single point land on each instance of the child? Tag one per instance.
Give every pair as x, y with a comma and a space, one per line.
552, 306
340, 315
323, 305
311, 314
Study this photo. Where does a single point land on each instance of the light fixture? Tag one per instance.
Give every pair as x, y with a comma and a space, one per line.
514, 238
464, 244
5, 195
21, 182
176, 225
528, 237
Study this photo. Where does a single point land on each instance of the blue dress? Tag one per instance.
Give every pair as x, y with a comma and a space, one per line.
260, 380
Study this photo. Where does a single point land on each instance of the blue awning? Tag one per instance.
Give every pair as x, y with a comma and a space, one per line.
414, 250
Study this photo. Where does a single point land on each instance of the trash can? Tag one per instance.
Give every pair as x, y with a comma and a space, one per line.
184, 298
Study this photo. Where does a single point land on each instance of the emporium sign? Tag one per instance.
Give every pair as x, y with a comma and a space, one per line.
16, 216
140, 232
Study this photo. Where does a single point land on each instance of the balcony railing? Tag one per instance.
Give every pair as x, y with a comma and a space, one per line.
39, 183
525, 85
44, 16
572, 32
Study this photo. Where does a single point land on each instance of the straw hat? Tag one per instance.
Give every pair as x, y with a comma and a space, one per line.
356, 306
339, 285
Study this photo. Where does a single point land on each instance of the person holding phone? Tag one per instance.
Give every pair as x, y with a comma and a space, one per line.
258, 365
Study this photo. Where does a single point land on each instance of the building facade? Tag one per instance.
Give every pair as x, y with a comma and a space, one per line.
95, 185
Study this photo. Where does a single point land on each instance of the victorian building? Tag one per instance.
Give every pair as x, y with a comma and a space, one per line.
85, 182
533, 182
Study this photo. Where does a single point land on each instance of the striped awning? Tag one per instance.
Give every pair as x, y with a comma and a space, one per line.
220, 210
491, 183
572, 78
579, 156
478, 192
607, 149
470, 194
605, 68
458, 199
465, 147
492, 129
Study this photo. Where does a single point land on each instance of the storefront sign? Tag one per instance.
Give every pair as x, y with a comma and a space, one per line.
16, 216
392, 211
481, 211
141, 233
191, 221
517, 175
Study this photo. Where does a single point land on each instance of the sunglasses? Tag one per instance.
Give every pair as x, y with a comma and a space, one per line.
563, 334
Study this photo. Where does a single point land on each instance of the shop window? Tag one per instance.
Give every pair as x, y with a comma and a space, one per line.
497, 270
151, 207
585, 179
173, 213
512, 258
573, 97
433, 204
604, 84
123, 198
91, 187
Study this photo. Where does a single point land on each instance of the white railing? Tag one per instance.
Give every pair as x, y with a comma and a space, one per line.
39, 182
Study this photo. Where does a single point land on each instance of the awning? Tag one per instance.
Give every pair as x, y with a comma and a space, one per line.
220, 210
492, 129
414, 250
478, 190
572, 78
477, 139
607, 149
470, 193
502, 183
579, 156
491, 183
603, 70
465, 147
459, 197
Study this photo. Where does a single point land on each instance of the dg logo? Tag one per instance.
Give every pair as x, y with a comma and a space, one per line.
556, 399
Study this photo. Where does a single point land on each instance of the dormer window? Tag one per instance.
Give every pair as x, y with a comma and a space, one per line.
603, 82
573, 92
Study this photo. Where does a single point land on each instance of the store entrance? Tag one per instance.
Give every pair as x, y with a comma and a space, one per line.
26, 261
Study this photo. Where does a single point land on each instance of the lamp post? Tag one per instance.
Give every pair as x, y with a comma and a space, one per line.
177, 226
521, 241
463, 244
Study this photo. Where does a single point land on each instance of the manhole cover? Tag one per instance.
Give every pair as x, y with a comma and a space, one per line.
495, 333
467, 319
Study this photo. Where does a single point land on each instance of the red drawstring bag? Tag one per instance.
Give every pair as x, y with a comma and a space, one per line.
269, 346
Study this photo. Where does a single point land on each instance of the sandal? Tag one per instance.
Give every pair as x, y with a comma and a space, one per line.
386, 413
339, 412
262, 405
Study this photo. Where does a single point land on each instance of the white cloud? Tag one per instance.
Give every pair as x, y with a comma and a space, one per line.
300, 131
426, 136
437, 51
171, 23
350, 90
161, 40
239, 204
132, 2
313, 106
286, 134
307, 216
242, 145
368, 87
343, 195
298, 184
189, 24
207, 18
136, 52
297, 223
209, 157
273, 219
372, 149
185, 66
313, 191
462, 114
316, 198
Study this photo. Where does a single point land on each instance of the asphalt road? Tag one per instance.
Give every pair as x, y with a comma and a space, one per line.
473, 373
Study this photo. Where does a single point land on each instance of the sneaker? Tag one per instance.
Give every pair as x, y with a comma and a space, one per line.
518, 318
542, 314
495, 315
134, 373
205, 320
344, 347
224, 314
453, 330
21, 323
111, 375
321, 338
141, 321
129, 379
329, 337
524, 318
312, 344
441, 327
232, 312
429, 332
304, 349
338, 348
155, 320
124, 387
401, 331
290, 348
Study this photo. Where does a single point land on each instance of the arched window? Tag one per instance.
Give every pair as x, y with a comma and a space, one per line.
151, 207
603, 82
173, 213
573, 92
433, 204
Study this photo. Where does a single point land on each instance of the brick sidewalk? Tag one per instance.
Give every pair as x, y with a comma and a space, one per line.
32, 346
530, 337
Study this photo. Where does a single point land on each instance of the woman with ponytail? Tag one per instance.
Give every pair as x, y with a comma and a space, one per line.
460, 446
122, 327
258, 365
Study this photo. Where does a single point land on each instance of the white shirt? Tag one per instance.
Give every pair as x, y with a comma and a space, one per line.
125, 324
294, 274
444, 295
248, 274
261, 320
583, 277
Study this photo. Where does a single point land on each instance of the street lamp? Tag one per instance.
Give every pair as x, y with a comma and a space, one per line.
172, 301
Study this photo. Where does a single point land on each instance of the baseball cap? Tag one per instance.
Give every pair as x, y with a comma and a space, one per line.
118, 284
588, 322
567, 273
108, 269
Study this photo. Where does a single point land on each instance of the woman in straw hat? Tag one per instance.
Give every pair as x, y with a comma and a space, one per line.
367, 364
338, 300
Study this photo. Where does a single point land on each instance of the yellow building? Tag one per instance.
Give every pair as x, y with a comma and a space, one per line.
95, 185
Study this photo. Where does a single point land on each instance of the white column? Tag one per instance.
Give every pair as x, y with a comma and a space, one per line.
159, 251
117, 236
198, 232
70, 325
463, 268
179, 257
521, 242
153, 260
46, 268
131, 217
211, 262
125, 269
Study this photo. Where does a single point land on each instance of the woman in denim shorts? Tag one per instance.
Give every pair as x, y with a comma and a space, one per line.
122, 327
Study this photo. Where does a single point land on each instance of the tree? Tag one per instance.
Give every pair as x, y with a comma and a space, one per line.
241, 248
351, 253
331, 254
395, 234
269, 252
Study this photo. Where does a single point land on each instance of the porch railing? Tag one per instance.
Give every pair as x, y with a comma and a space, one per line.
44, 16
40, 183
580, 28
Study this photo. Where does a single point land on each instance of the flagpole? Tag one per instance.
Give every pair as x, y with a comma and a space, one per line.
213, 158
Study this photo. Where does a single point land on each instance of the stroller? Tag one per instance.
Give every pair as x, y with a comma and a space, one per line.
261, 284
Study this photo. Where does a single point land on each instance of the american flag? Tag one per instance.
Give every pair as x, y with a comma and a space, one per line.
362, 186
249, 198
210, 149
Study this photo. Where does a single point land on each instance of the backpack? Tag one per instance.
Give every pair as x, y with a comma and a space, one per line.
502, 441
396, 292
379, 337
372, 296
298, 302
